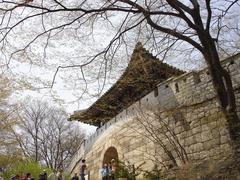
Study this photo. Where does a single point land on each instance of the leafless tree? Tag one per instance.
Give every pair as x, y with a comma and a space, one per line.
161, 132
59, 141
32, 119
166, 147
165, 24
45, 136
7, 118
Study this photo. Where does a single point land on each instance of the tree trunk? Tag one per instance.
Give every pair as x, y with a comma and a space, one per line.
222, 84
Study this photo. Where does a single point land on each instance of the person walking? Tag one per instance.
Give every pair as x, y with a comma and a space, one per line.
104, 172
45, 176
83, 169
60, 175
27, 177
75, 177
109, 171
53, 176
17, 177
113, 169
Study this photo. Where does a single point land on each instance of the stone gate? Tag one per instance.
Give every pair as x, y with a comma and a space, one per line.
156, 115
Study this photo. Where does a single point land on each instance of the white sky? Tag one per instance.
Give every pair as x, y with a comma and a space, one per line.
34, 71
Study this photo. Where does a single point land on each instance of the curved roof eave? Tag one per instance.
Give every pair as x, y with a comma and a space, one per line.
143, 73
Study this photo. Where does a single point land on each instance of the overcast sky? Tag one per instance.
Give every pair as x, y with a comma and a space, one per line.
34, 70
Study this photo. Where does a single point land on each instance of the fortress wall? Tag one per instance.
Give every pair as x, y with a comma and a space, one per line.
187, 105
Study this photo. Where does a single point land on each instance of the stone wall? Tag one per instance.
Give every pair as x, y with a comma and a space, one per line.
180, 120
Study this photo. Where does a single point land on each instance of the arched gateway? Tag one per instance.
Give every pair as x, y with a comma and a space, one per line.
111, 153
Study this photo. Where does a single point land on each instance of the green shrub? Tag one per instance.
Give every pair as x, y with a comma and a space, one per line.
21, 167
154, 174
127, 170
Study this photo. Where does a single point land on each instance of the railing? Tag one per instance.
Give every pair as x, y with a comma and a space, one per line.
86, 145
89, 142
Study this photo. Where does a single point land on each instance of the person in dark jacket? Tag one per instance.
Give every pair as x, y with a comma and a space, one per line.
83, 169
75, 177
45, 174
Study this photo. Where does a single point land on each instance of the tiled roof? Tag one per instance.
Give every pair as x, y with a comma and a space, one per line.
142, 75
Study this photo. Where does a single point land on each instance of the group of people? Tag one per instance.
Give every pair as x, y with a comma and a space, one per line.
42, 176
108, 171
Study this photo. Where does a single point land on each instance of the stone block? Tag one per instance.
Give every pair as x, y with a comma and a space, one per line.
204, 120
207, 145
215, 133
188, 150
196, 130
198, 137
197, 147
201, 115
224, 139
203, 155
178, 129
195, 123
224, 131
205, 127
196, 156
206, 136
184, 134
211, 144
190, 140
213, 152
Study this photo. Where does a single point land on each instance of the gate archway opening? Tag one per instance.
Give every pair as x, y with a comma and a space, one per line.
111, 153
